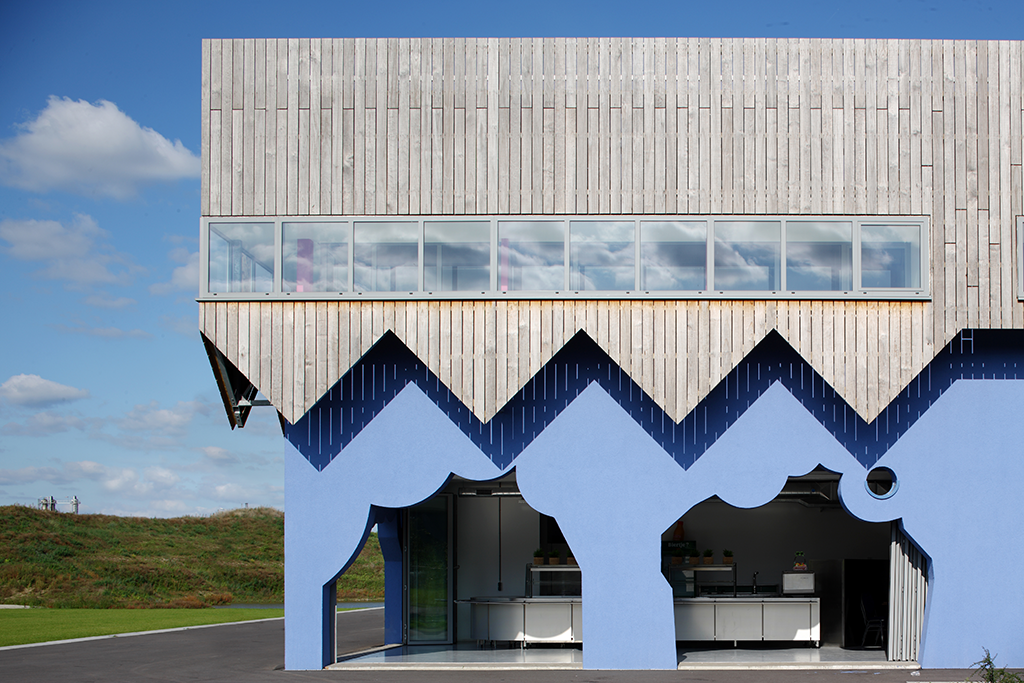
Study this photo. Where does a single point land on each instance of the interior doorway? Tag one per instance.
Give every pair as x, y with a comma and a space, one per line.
428, 574
805, 524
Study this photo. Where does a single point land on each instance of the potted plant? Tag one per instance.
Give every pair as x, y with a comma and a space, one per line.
709, 556
538, 556
569, 559
694, 556
553, 557
799, 563
677, 556
727, 556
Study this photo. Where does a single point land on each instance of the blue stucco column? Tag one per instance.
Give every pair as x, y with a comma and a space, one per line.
321, 539
389, 534
613, 491
402, 457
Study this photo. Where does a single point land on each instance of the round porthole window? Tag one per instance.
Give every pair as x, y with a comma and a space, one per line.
882, 483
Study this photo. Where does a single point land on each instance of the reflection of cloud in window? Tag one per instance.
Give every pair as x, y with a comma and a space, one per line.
746, 266
536, 265
603, 266
818, 266
673, 255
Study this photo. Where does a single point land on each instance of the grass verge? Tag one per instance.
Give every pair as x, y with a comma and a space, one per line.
24, 626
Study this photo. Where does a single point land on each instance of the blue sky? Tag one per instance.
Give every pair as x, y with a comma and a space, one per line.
105, 390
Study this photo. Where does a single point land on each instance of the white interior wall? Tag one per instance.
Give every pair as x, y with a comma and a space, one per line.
477, 554
765, 539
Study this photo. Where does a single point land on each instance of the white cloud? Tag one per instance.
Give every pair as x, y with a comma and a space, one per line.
162, 476
184, 278
43, 424
91, 149
27, 475
35, 392
33, 240
167, 421
238, 494
126, 481
76, 252
85, 469
171, 507
69, 472
218, 455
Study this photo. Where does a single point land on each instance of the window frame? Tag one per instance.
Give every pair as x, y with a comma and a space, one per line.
857, 292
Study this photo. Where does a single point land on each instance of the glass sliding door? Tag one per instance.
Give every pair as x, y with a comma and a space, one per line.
428, 597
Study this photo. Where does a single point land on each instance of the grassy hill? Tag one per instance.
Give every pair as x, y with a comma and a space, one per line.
57, 559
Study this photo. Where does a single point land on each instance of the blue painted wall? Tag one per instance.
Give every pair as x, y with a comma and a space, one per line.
597, 454
960, 471
389, 366
401, 458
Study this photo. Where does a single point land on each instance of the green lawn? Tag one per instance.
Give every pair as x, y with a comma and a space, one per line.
22, 626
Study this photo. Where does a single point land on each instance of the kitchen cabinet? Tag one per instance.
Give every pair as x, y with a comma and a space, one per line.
526, 620
748, 619
738, 620
696, 621
792, 620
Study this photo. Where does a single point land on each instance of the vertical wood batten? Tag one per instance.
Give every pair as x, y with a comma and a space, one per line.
356, 126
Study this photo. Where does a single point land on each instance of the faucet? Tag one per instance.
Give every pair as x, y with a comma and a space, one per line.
755, 583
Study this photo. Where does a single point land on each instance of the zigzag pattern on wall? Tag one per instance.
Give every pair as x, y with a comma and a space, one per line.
486, 351
389, 366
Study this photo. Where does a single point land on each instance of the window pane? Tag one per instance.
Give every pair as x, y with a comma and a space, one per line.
819, 256
531, 256
747, 255
673, 255
456, 256
315, 257
386, 257
601, 255
890, 256
241, 257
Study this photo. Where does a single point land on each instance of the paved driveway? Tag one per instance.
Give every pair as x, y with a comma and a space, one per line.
254, 651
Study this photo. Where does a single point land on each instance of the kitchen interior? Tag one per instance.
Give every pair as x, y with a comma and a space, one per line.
796, 572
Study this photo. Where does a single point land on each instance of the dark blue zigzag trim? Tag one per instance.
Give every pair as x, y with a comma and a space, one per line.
389, 366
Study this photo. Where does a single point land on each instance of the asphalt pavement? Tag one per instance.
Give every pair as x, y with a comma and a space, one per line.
254, 652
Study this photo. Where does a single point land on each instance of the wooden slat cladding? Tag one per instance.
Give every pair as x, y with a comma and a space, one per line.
485, 351
620, 126
651, 126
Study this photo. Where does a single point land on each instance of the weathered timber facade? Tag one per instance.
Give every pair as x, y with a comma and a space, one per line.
617, 126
